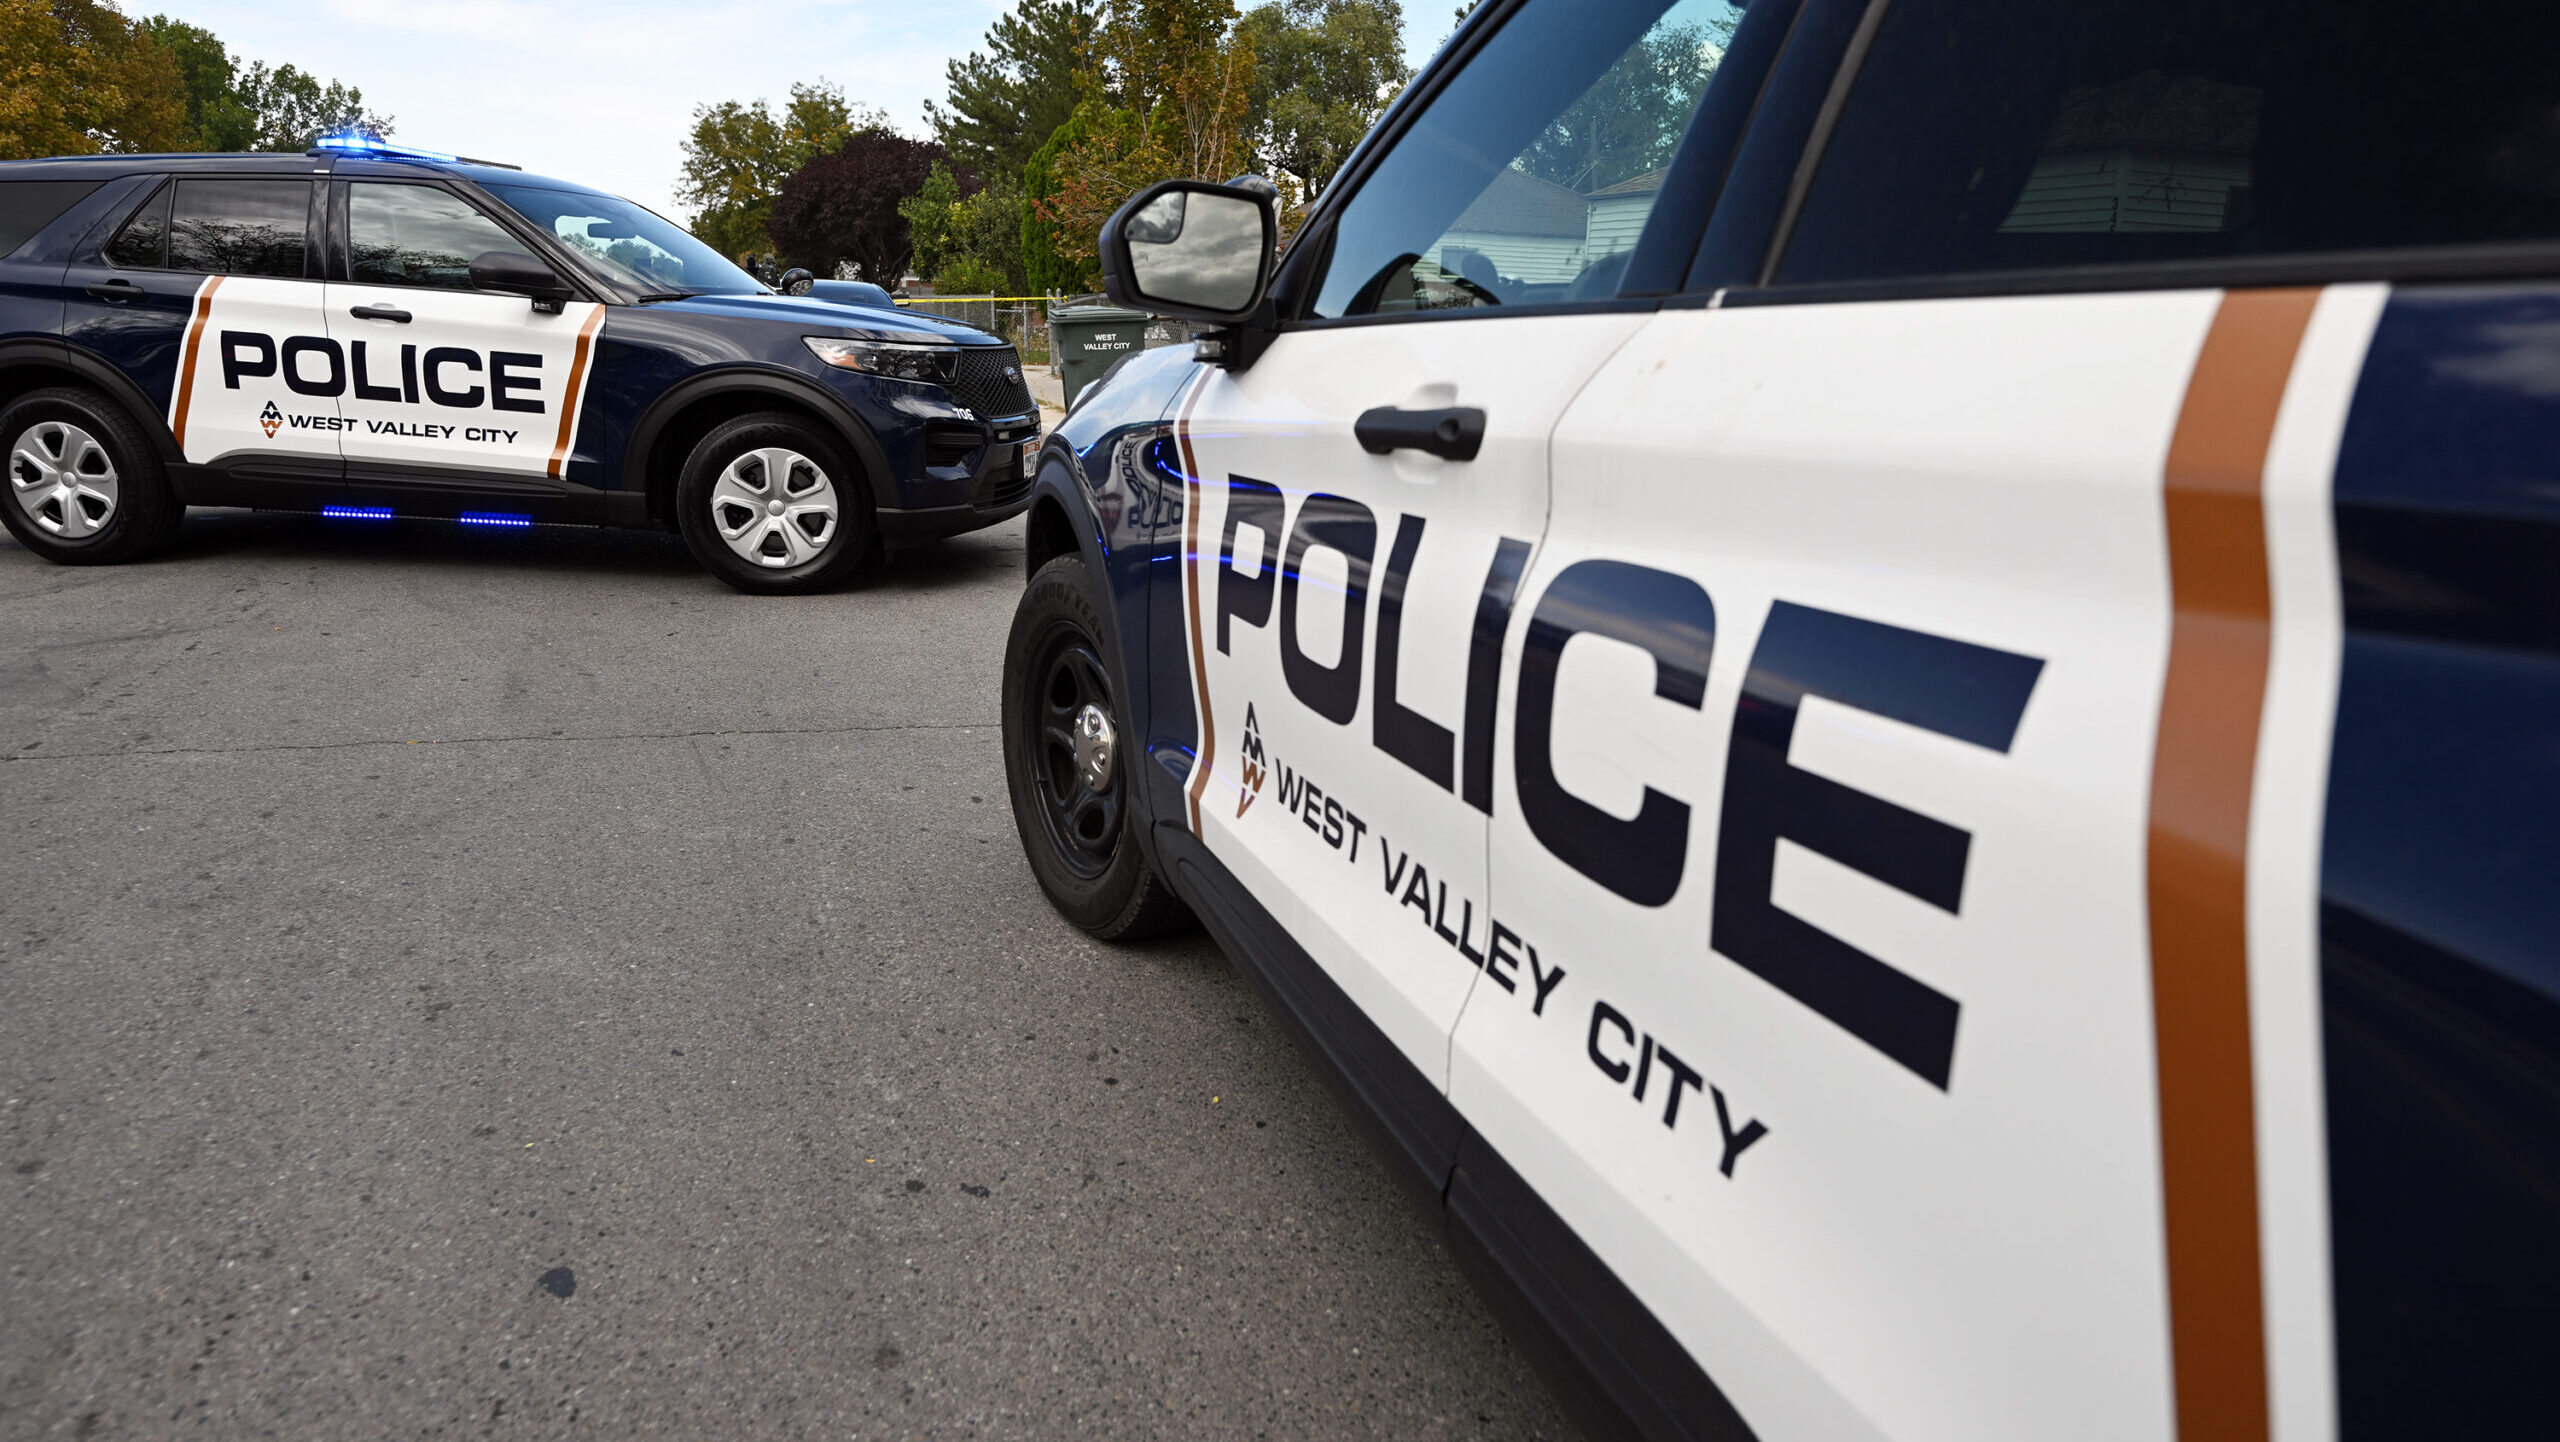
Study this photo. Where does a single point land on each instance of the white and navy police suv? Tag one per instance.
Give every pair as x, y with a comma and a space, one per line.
1884, 677
371, 332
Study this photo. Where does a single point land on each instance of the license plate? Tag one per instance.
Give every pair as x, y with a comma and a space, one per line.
1030, 454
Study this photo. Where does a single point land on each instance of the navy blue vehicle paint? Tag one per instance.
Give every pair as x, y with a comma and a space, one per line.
664, 371
1111, 487
2440, 922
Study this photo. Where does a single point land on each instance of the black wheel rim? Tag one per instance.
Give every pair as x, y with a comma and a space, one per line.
1083, 824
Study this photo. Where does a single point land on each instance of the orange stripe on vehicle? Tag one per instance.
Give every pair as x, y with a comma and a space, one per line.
570, 398
1191, 583
2198, 861
187, 361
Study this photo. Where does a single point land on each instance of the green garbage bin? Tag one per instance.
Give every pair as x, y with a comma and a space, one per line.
1086, 339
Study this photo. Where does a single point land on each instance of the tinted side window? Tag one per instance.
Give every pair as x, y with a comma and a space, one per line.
239, 227
27, 206
2032, 133
1529, 177
143, 243
416, 235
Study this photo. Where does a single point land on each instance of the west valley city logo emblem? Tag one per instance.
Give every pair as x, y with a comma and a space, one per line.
270, 420
1253, 766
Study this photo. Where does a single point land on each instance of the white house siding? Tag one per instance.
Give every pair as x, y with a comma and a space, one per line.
1613, 222
2088, 191
1536, 259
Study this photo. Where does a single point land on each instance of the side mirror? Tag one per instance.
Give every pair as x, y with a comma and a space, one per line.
1191, 250
509, 272
796, 281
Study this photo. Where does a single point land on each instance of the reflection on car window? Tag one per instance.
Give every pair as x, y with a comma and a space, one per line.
143, 244
1990, 135
418, 236
1529, 178
626, 244
239, 227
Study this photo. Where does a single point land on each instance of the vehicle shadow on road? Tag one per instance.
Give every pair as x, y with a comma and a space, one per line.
283, 535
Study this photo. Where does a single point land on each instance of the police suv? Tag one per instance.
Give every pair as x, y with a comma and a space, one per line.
372, 332
1884, 677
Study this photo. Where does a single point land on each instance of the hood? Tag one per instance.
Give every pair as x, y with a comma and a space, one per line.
826, 316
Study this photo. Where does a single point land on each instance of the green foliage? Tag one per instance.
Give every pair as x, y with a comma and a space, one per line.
966, 242
967, 276
1051, 258
932, 213
217, 118
1324, 72
283, 109
1007, 98
738, 155
294, 108
77, 78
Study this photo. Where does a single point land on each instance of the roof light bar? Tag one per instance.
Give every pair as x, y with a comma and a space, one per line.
356, 513
358, 143
494, 518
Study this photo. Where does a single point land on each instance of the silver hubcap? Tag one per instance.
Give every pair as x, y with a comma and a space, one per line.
1095, 748
63, 479
775, 507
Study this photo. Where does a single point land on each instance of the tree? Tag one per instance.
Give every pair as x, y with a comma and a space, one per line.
1009, 97
293, 108
77, 78
1175, 99
968, 240
1324, 72
843, 205
1633, 115
217, 118
739, 154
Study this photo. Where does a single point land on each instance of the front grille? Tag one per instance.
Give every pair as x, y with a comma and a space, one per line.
1012, 484
983, 386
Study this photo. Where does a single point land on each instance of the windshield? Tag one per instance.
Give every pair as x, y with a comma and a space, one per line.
627, 245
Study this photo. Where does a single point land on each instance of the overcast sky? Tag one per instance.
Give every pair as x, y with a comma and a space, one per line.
602, 91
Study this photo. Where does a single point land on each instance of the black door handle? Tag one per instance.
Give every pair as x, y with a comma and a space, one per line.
380, 312
116, 289
1454, 434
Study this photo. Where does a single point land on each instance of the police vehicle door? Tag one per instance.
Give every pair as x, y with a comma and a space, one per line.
199, 297
1879, 767
449, 386
1370, 491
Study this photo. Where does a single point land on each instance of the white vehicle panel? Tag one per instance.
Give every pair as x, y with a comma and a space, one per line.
232, 395
482, 382
1978, 1260
1389, 897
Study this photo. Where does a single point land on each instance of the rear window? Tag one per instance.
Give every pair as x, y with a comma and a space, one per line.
27, 206
239, 227
2025, 134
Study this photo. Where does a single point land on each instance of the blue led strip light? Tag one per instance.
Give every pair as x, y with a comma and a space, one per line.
356, 513
494, 518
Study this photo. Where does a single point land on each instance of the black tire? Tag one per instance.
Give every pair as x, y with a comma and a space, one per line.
838, 550
125, 510
1082, 843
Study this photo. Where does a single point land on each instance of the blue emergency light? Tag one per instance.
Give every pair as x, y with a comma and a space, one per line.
494, 518
357, 142
356, 513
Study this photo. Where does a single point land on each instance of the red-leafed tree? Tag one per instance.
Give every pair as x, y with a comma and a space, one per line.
843, 205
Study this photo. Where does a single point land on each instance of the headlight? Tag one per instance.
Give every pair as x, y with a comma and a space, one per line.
899, 360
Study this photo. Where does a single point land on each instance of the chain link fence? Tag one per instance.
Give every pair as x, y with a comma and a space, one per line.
1024, 320
1021, 319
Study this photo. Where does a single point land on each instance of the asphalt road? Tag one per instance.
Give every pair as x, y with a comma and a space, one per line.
459, 983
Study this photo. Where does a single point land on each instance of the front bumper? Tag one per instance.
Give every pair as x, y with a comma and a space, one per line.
990, 484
